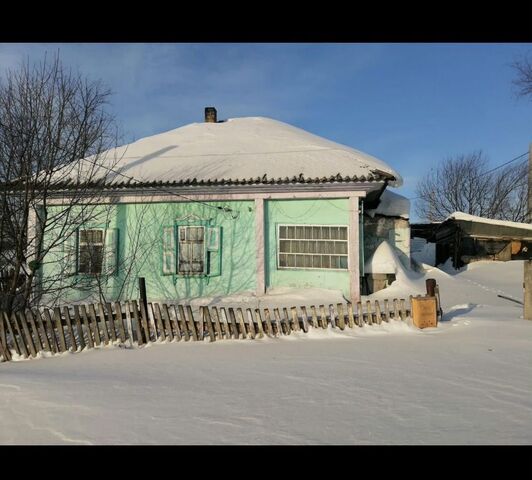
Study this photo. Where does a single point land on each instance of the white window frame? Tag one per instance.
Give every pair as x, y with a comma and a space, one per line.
80, 244
312, 254
189, 273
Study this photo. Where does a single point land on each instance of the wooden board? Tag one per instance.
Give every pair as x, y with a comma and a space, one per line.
25, 334
378, 317
260, 326
304, 317
68, 321
314, 320
86, 323
232, 319
93, 322
49, 325
323, 317
278, 321
386, 311
225, 323
59, 328
185, 332
119, 320
79, 328
110, 321
341, 318
12, 331
286, 323
193, 325
35, 332
268, 323
241, 322
145, 323
159, 321
204, 311
295, 319
103, 323
42, 329
369, 314
167, 321
350, 316
130, 327
359, 315
395, 309
155, 329
332, 315
217, 325
251, 323
137, 323
5, 330
4, 347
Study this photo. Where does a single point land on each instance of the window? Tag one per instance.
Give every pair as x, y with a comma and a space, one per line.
312, 246
191, 251
91, 246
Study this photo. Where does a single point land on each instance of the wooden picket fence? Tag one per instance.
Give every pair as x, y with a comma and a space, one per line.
78, 327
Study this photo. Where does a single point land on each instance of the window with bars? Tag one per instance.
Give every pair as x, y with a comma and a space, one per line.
312, 247
91, 249
191, 250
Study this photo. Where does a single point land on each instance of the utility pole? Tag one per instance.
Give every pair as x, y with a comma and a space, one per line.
527, 284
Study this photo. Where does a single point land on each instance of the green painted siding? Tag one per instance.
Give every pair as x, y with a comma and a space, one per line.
140, 233
303, 212
140, 249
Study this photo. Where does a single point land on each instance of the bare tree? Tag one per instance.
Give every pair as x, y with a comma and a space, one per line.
50, 119
466, 184
523, 81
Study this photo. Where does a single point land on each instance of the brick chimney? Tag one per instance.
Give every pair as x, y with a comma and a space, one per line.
210, 115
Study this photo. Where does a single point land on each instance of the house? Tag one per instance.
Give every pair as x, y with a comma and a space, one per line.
221, 207
467, 238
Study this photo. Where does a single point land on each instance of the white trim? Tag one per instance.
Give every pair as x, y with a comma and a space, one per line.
259, 246
191, 197
354, 249
278, 253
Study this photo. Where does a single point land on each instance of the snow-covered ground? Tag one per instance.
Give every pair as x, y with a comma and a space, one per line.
469, 381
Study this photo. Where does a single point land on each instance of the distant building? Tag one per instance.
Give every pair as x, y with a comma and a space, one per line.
467, 238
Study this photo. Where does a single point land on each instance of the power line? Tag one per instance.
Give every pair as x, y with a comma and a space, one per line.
489, 171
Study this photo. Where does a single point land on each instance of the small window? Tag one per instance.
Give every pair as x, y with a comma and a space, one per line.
312, 247
91, 246
191, 251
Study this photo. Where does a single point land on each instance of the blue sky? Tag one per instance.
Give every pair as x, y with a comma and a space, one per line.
412, 105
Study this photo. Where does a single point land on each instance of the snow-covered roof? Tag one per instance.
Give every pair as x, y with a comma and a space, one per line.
243, 148
392, 205
474, 218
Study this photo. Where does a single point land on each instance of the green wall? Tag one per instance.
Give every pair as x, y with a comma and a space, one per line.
140, 252
303, 212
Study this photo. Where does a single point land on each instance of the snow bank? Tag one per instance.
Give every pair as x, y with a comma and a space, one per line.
386, 261
473, 218
239, 148
465, 382
392, 205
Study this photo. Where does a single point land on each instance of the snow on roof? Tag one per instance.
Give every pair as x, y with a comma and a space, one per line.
240, 148
474, 218
392, 205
